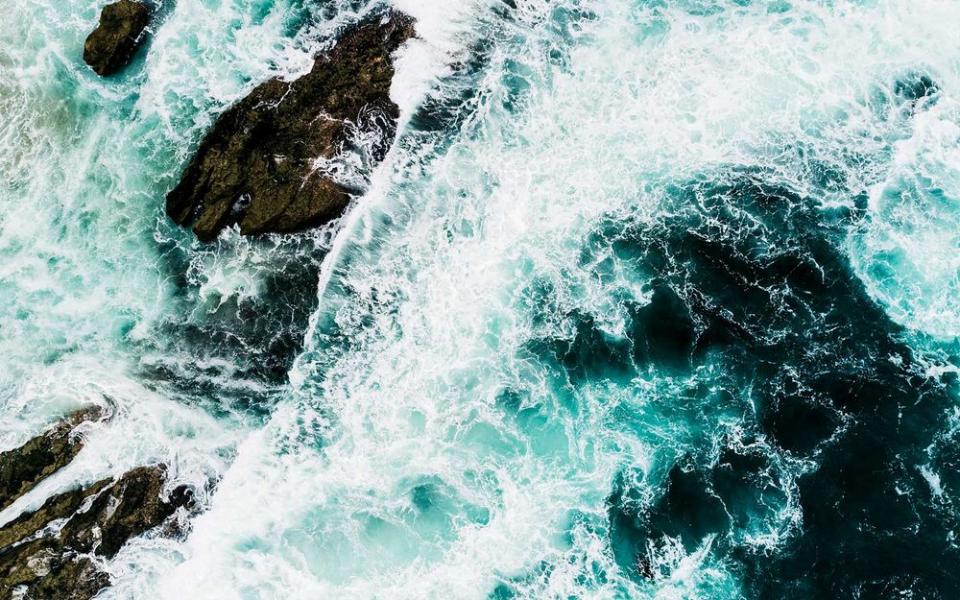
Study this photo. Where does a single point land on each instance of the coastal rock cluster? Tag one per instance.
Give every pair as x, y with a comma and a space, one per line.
258, 166
52, 552
23, 468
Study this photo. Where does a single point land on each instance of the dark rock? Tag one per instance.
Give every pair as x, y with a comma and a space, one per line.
23, 468
126, 509
112, 44
45, 554
66, 577
255, 166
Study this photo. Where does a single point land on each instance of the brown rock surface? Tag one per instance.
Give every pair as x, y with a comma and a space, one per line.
23, 468
255, 167
118, 35
50, 552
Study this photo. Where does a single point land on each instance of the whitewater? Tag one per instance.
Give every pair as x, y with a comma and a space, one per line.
649, 299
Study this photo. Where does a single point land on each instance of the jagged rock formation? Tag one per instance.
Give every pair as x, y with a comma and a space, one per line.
115, 40
24, 467
52, 551
256, 167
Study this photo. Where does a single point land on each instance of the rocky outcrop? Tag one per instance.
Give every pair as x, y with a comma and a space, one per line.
24, 467
50, 553
256, 166
115, 40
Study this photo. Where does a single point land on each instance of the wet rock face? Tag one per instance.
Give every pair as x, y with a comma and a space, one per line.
24, 467
49, 553
256, 167
112, 44
46, 553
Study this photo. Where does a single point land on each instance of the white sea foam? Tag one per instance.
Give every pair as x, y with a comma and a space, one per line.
906, 252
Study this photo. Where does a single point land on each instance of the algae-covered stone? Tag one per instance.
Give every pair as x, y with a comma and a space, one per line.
256, 166
115, 40
23, 468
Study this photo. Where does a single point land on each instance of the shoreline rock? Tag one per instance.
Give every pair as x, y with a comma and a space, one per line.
117, 37
50, 553
21, 469
256, 167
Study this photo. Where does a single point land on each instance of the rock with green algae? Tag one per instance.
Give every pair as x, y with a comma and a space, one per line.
256, 166
23, 468
52, 552
116, 38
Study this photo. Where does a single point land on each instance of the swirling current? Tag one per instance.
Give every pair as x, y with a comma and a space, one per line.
649, 299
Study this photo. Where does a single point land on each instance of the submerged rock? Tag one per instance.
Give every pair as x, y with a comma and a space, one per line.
112, 44
256, 167
23, 468
50, 552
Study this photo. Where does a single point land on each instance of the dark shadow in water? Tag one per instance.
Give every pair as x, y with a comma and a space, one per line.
762, 289
230, 355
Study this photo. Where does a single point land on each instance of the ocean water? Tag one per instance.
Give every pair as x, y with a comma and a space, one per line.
650, 299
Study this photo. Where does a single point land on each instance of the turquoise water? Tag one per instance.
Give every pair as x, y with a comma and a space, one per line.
650, 299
